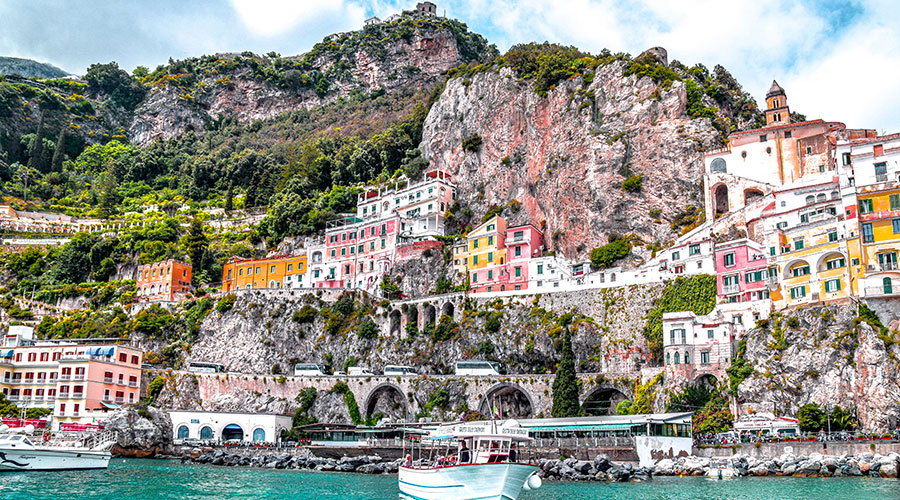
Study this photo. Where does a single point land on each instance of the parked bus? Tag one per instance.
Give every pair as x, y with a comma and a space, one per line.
399, 371
309, 370
201, 367
477, 367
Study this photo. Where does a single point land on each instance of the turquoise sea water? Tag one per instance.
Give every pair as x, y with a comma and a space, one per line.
144, 479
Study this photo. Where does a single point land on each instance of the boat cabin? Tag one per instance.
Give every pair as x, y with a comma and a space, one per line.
15, 441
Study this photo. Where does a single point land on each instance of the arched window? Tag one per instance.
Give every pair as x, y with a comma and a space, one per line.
182, 432
820, 197
677, 357
718, 165
259, 435
206, 432
687, 358
835, 195
668, 358
810, 199
888, 286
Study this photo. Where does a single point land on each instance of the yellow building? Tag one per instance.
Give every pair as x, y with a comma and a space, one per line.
280, 271
812, 264
879, 221
482, 255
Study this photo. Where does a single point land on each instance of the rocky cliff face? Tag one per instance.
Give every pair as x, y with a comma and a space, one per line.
565, 156
824, 355
142, 432
407, 53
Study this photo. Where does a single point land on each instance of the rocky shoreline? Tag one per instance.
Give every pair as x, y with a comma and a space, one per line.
812, 465
599, 469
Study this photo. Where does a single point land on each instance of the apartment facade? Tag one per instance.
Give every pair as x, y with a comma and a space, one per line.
279, 271
697, 346
80, 381
167, 280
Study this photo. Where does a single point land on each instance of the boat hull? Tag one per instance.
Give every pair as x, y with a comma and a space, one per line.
500, 481
52, 459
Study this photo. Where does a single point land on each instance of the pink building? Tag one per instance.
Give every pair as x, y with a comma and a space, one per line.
358, 254
742, 271
522, 244
79, 381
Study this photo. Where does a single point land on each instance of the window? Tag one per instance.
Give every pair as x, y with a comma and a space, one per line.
474, 260
290, 267
518, 251
490, 227
704, 357
895, 201
798, 244
834, 263
677, 357
383, 243
668, 358
798, 292
475, 244
729, 259
832, 286
878, 149
771, 250
694, 250
687, 358
810, 199
787, 134
832, 236
868, 235
490, 275
710, 334
490, 240
240, 272
206, 433
332, 252
540, 269
846, 158
809, 150
490, 256
474, 277
881, 172
800, 270
676, 255
344, 251
762, 138
896, 225
258, 270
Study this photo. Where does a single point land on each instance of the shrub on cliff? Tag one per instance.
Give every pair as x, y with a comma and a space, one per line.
565, 383
811, 417
633, 183
306, 314
350, 399
608, 254
225, 303
368, 330
686, 293
472, 143
445, 328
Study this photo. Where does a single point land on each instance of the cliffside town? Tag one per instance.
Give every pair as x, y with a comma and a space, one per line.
685, 238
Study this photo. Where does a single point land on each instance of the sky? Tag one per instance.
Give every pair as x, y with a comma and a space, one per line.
837, 59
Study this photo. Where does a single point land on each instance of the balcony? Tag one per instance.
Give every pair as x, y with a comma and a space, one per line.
107, 380
64, 377
132, 384
50, 398
64, 395
880, 291
728, 289
121, 382
12, 398
107, 398
888, 266
77, 395
120, 400
881, 177
75, 414
78, 377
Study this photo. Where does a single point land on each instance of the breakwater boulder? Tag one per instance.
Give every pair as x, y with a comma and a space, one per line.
598, 469
141, 431
812, 465
299, 458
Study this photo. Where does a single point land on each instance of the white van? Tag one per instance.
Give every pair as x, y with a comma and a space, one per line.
477, 367
309, 370
358, 371
399, 371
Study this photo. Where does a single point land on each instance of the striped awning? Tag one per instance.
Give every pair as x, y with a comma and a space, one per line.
587, 427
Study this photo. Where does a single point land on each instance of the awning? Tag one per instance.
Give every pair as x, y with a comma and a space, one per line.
109, 405
6, 353
106, 351
589, 427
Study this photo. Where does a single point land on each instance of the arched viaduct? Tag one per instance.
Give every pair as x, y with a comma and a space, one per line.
515, 396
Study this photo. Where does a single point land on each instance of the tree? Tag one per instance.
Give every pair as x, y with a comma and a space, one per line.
109, 192
36, 149
811, 417
608, 254
59, 152
229, 197
109, 79
196, 244
565, 384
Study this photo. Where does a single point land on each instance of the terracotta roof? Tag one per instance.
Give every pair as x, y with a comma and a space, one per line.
786, 125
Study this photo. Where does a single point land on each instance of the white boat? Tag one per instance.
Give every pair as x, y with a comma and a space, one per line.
478, 460
721, 470
19, 453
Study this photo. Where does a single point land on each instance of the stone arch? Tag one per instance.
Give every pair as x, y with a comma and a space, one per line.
232, 431
822, 263
751, 195
602, 401
412, 316
448, 309
708, 380
512, 401
389, 400
789, 268
395, 319
259, 435
428, 315
720, 199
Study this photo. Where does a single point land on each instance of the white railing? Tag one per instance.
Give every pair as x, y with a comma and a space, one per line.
880, 290
889, 266
731, 288
78, 377
107, 380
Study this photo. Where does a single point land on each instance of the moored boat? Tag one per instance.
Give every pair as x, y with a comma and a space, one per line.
19, 453
478, 460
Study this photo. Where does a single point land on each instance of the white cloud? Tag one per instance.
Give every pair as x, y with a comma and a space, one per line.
270, 18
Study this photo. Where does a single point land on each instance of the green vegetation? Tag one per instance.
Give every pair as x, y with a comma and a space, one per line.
710, 407
472, 143
439, 398
644, 396
565, 383
306, 314
686, 293
226, 303
607, 255
740, 368
368, 330
154, 388
633, 183
813, 418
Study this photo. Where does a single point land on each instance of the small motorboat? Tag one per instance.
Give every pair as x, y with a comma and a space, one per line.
475, 460
19, 453
721, 470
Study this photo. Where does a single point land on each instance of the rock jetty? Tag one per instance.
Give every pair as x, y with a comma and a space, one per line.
598, 469
813, 465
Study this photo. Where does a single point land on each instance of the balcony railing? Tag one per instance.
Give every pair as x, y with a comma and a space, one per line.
107, 380
881, 177
50, 398
64, 395
65, 377
12, 397
107, 398
731, 288
120, 400
888, 266
78, 377
132, 384
75, 413
121, 382
882, 291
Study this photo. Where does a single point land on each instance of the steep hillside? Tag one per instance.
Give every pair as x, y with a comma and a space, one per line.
29, 68
560, 132
408, 52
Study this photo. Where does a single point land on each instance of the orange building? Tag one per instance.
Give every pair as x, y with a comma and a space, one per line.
280, 271
167, 280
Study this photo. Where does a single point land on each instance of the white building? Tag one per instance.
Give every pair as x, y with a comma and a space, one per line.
696, 346
227, 426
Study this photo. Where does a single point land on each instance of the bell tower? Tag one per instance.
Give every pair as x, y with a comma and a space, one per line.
777, 111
